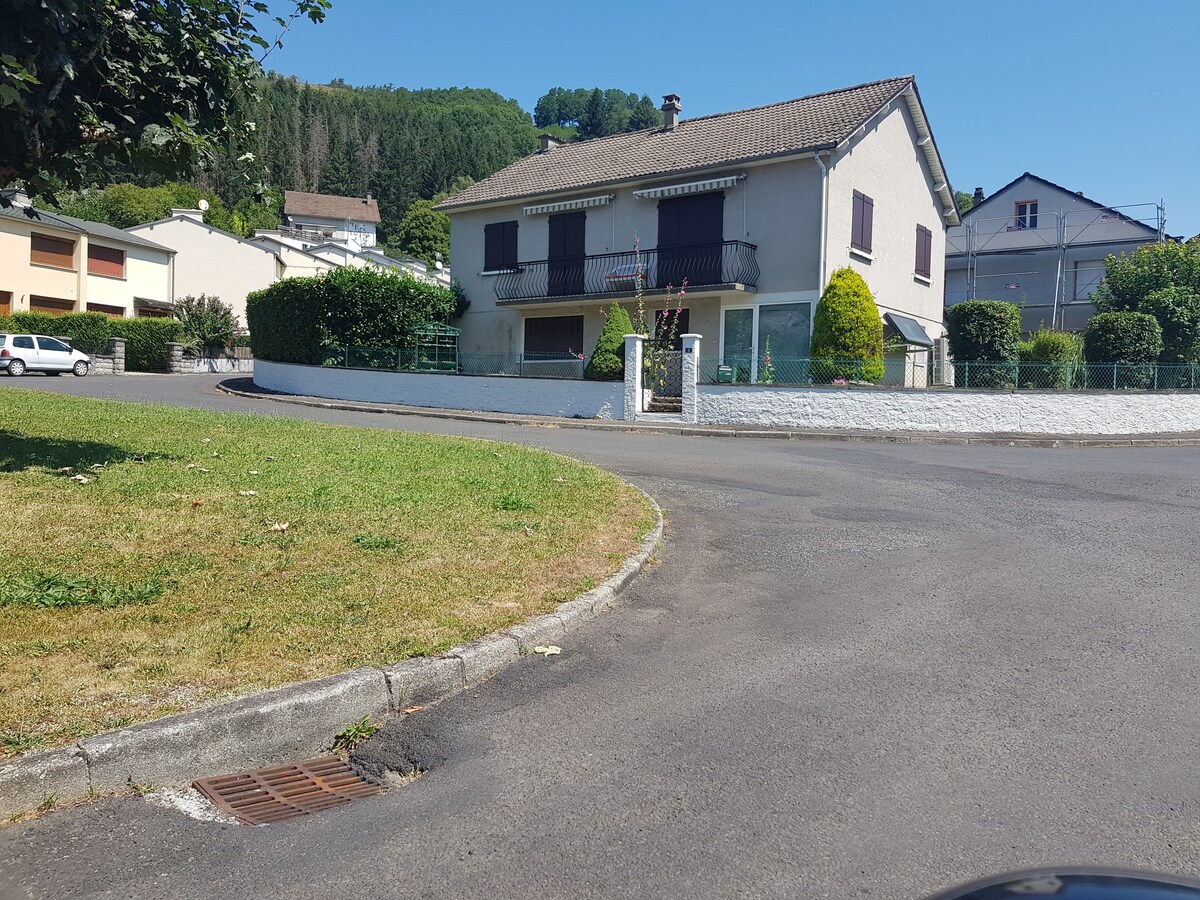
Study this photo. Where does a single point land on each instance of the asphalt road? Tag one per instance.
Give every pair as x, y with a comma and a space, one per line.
860, 670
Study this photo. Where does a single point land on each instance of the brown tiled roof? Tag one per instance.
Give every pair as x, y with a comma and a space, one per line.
794, 126
327, 206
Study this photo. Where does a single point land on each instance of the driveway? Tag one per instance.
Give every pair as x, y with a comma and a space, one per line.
860, 670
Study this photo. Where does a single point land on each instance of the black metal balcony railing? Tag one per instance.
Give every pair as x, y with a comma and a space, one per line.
729, 262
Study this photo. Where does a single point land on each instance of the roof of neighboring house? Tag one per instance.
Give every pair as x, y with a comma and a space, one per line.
816, 122
97, 230
329, 206
1077, 194
203, 224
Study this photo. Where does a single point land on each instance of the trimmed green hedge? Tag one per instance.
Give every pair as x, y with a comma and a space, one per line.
292, 320
1127, 337
984, 331
87, 332
607, 362
847, 326
146, 341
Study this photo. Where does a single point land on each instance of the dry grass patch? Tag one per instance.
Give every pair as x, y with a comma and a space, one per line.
154, 559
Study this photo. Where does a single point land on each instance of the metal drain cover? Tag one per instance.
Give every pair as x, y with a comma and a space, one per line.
266, 796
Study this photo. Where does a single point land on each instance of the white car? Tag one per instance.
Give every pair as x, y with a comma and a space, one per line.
21, 353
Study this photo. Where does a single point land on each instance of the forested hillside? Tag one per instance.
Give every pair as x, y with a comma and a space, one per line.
401, 145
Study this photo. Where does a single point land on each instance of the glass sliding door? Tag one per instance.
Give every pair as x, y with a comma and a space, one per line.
737, 343
783, 333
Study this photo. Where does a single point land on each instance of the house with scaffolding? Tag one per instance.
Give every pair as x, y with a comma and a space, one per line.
1041, 246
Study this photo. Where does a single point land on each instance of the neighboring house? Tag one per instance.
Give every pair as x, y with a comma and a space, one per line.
326, 217
58, 264
341, 254
213, 262
298, 263
755, 208
1041, 246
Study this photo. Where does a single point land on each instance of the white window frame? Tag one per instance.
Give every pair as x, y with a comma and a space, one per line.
754, 349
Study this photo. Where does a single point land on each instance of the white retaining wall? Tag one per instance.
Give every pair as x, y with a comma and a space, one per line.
949, 411
490, 393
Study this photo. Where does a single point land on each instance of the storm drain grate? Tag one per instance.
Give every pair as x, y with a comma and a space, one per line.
266, 796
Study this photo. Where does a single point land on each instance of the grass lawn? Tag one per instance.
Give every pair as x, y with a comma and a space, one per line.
153, 559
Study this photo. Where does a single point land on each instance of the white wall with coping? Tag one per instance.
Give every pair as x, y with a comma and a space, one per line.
957, 411
495, 393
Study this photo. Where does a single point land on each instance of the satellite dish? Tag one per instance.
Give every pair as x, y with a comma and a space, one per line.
203, 204
438, 265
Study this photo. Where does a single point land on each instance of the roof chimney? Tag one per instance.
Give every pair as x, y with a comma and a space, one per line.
671, 107
978, 198
196, 215
549, 142
368, 196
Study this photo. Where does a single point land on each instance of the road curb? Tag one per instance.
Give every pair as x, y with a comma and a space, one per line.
1044, 441
295, 720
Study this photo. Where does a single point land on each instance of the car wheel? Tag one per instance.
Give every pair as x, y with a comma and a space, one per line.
80, 369
16, 367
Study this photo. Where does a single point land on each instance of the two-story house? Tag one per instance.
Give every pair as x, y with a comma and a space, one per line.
58, 264
317, 218
1038, 245
754, 208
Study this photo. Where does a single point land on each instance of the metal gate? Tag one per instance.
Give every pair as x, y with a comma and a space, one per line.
664, 372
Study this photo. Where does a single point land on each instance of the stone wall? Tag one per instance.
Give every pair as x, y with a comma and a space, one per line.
486, 393
179, 362
112, 362
975, 412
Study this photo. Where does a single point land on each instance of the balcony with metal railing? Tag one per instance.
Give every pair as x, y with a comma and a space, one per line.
728, 265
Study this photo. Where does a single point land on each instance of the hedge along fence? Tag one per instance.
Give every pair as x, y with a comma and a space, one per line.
145, 339
295, 319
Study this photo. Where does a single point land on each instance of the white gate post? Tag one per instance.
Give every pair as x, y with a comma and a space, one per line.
691, 372
633, 375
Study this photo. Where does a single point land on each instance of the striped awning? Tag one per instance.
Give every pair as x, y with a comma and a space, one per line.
565, 205
692, 187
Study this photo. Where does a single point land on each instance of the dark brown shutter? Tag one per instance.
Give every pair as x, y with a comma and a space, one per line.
52, 305
924, 261
868, 222
45, 250
510, 245
856, 218
499, 246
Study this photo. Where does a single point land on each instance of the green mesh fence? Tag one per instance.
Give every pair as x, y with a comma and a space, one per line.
393, 359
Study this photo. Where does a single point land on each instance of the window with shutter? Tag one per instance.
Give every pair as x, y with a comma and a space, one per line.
924, 261
553, 337
45, 250
862, 222
106, 261
500, 246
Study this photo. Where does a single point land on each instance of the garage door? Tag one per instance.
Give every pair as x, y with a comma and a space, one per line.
51, 305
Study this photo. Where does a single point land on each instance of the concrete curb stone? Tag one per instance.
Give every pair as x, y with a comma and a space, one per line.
28, 781
292, 721
284, 722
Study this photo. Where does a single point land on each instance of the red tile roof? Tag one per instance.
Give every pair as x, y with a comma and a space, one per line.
329, 206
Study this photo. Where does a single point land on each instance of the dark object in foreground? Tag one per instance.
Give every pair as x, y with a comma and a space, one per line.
267, 796
1072, 883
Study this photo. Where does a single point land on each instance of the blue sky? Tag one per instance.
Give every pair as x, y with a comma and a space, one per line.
1098, 96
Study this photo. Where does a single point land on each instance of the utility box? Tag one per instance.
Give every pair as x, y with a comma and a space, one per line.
724, 374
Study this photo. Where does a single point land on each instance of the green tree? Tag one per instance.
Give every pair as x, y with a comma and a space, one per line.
983, 331
207, 321
1177, 310
124, 205
145, 83
607, 362
847, 326
644, 114
1131, 277
963, 201
595, 121
424, 232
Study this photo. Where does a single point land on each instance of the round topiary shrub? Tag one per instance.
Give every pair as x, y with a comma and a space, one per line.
607, 362
847, 331
984, 335
1121, 349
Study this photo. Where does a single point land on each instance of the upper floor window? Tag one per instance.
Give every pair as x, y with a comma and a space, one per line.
1027, 213
106, 261
862, 223
45, 250
924, 262
500, 246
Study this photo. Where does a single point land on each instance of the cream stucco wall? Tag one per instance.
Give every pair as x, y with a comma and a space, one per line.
147, 275
22, 278
885, 163
213, 262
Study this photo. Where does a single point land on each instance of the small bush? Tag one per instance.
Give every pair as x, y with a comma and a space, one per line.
608, 359
847, 326
1053, 347
983, 331
207, 322
1131, 338
88, 332
146, 341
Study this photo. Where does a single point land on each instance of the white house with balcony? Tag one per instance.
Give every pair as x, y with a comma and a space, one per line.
753, 208
320, 218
